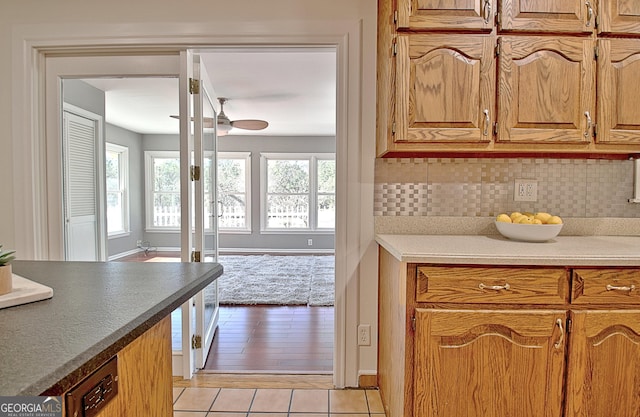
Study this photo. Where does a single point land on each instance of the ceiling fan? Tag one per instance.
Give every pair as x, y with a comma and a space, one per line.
225, 124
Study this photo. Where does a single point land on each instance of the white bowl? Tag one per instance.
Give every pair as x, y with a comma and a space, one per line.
528, 232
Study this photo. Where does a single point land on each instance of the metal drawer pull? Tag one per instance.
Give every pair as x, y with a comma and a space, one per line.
487, 121
589, 12
616, 288
487, 11
559, 342
494, 287
588, 116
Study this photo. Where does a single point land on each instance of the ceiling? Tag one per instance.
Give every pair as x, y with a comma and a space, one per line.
294, 89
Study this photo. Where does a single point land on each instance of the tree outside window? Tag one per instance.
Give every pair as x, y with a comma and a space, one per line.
233, 182
326, 202
163, 179
299, 192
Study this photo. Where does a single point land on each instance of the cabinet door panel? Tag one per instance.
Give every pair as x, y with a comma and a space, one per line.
619, 17
603, 378
446, 14
545, 92
470, 363
444, 88
567, 16
618, 99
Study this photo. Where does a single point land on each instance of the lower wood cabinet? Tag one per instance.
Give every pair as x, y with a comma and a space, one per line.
475, 341
488, 363
603, 376
144, 380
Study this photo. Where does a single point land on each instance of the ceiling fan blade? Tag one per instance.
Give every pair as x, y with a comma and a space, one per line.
250, 124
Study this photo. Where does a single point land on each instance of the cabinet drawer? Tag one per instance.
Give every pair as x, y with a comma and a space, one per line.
492, 285
606, 286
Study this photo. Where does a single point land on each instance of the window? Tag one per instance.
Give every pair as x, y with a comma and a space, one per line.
163, 190
117, 178
298, 192
234, 202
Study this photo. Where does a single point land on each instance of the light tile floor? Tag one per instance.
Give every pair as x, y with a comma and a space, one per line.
276, 402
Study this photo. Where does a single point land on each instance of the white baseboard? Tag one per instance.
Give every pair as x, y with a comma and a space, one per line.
123, 254
229, 251
272, 251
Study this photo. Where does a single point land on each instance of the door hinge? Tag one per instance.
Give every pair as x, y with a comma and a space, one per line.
568, 326
194, 86
597, 21
596, 52
195, 173
595, 130
495, 128
499, 18
195, 256
497, 49
413, 323
393, 128
394, 48
196, 341
395, 17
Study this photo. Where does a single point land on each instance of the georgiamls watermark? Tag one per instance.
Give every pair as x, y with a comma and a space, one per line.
34, 406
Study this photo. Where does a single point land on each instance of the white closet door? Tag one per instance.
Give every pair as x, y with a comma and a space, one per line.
80, 186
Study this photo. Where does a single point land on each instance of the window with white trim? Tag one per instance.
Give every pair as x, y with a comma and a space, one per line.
162, 196
298, 192
117, 186
234, 200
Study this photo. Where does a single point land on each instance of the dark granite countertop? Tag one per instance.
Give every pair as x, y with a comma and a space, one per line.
97, 308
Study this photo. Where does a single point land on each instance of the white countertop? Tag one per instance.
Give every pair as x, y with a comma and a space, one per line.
497, 250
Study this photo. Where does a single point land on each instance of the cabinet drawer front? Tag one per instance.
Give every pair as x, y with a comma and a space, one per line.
492, 285
606, 286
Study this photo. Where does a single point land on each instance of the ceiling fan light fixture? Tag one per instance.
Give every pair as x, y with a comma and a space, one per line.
223, 128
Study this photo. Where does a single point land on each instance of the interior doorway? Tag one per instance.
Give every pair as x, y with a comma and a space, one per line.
161, 239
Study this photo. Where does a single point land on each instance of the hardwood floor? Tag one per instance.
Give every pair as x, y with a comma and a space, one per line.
283, 339
267, 338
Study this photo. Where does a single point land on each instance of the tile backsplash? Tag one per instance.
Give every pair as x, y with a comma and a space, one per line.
481, 187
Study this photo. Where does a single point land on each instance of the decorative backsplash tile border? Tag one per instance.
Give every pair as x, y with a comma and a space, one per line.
480, 187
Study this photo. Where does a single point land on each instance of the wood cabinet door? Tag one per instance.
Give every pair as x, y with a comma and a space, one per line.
603, 377
546, 91
619, 17
566, 16
618, 99
445, 89
446, 14
483, 363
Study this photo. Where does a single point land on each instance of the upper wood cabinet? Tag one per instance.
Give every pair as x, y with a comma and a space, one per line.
619, 17
546, 91
481, 363
446, 14
566, 16
444, 88
618, 98
551, 76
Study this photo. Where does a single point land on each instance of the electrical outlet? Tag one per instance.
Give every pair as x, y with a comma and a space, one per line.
310, 242
139, 243
525, 190
364, 335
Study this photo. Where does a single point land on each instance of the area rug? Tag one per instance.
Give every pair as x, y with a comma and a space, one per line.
277, 280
